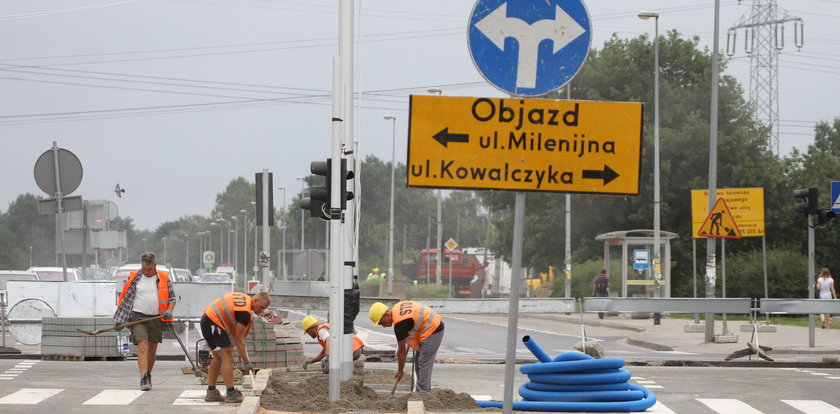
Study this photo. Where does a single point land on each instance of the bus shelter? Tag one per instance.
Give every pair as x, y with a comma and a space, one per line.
637, 281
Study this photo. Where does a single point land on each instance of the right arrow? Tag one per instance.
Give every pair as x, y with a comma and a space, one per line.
444, 137
607, 174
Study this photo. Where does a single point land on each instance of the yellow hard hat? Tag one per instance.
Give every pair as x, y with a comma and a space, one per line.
307, 323
377, 310
375, 270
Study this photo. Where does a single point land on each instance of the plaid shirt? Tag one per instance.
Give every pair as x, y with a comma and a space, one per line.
124, 312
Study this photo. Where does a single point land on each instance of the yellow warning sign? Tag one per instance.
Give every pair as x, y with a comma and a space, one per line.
720, 223
746, 205
524, 144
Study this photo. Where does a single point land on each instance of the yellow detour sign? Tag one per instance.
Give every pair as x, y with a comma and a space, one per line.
720, 223
524, 144
745, 204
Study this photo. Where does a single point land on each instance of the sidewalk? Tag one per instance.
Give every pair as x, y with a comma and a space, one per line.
670, 334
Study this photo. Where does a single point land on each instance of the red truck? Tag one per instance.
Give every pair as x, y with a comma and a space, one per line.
464, 267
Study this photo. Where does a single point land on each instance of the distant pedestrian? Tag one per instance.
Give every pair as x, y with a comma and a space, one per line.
601, 288
825, 284
146, 294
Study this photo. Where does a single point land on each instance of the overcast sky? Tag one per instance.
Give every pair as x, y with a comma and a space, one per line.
172, 99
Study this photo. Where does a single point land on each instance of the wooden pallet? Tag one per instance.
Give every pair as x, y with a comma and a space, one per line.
55, 357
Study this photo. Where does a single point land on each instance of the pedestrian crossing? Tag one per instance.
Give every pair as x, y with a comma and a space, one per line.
195, 397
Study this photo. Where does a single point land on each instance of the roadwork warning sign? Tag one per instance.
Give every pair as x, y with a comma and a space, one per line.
524, 144
720, 223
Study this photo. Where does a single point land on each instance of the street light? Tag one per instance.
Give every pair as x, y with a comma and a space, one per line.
393, 120
657, 263
244, 243
235, 242
283, 256
145, 249
30, 256
439, 257
302, 182
221, 239
254, 207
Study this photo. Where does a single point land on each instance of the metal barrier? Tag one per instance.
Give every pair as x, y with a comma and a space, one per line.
460, 305
673, 305
799, 306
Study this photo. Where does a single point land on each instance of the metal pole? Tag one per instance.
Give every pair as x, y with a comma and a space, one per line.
393, 120
657, 258
439, 239
694, 273
236, 248
513, 313
567, 283
764, 263
266, 234
713, 127
336, 292
301, 213
725, 331
812, 221
187, 259
285, 224
428, 246
244, 244
58, 198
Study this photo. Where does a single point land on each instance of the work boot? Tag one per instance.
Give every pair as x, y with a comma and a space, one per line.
233, 396
145, 383
213, 396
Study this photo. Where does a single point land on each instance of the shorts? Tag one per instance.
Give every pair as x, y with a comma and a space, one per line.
216, 337
151, 331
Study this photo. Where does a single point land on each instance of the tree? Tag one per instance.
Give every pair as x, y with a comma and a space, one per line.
31, 229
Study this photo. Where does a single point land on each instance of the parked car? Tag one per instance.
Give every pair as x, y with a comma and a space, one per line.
183, 275
7, 275
94, 273
216, 277
55, 274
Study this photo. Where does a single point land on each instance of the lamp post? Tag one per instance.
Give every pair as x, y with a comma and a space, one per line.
283, 256
393, 120
164, 248
254, 204
439, 245
302, 182
657, 263
244, 214
235, 242
30, 256
145, 249
221, 237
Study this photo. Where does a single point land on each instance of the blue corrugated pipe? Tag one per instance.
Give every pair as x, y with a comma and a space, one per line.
573, 381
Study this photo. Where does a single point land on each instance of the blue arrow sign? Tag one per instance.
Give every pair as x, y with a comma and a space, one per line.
529, 47
835, 196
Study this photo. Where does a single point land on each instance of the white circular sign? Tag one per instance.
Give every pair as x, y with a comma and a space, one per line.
209, 257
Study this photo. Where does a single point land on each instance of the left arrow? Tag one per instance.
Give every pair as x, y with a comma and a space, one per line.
444, 137
607, 174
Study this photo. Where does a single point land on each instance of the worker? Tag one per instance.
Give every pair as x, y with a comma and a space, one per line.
416, 326
143, 298
229, 317
321, 332
374, 274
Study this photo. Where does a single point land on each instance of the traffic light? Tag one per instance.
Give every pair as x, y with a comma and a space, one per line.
824, 215
345, 176
809, 195
319, 197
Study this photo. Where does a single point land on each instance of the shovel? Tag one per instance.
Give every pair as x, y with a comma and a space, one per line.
127, 324
394, 388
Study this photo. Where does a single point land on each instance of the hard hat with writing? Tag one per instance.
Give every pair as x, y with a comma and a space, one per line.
377, 310
307, 323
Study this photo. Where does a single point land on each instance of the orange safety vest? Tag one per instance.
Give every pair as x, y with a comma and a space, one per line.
162, 289
221, 311
357, 342
425, 320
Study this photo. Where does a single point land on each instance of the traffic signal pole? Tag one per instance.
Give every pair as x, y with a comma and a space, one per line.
713, 121
812, 221
336, 289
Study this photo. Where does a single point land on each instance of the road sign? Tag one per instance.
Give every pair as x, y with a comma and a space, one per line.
524, 144
529, 47
209, 257
641, 259
69, 171
451, 244
720, 223
745, 204
68, 204
835, 196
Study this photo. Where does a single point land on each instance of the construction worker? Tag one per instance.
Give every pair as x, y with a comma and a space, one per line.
416, 326
374, 274
143, 298
321, 331
229, 317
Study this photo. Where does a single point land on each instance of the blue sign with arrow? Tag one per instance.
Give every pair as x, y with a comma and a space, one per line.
529, 47
835, 196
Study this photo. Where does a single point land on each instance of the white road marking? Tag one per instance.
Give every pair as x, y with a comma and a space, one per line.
193, 397
30, 396
646, 382
812, 406
478, 397
819, 373
659, 408
654, 387
728, 406
114, 397
636, 378
833, 377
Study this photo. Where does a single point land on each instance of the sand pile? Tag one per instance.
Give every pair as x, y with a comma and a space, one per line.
309, 392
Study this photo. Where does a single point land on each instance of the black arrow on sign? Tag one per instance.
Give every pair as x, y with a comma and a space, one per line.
607, 174
444, 137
